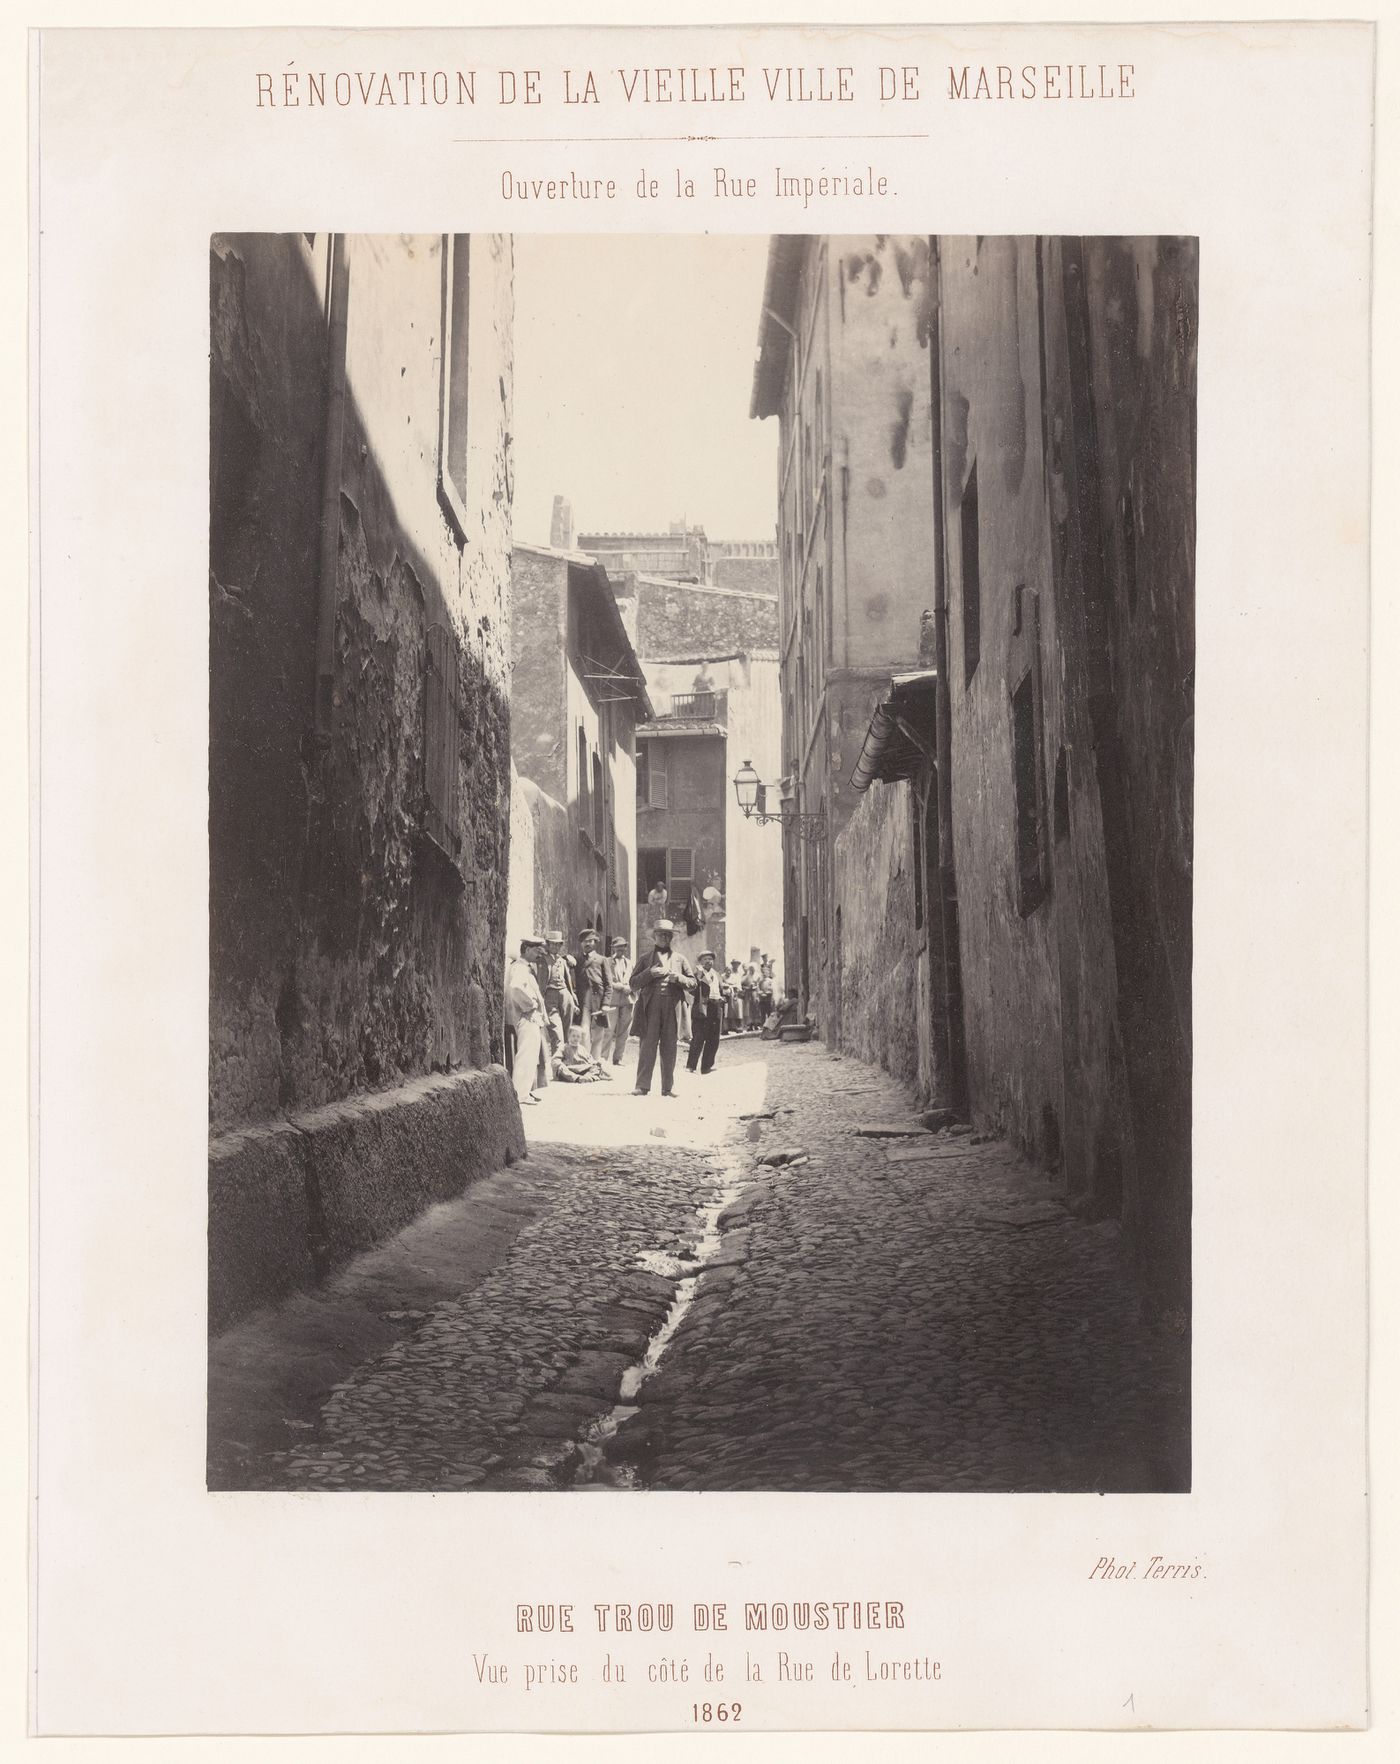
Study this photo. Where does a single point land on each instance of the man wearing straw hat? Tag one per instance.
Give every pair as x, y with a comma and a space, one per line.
619, 997
525, 1012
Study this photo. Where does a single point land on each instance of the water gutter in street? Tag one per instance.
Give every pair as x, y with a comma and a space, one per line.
592, 1452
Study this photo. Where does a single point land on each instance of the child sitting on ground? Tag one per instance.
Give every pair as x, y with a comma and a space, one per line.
572, 1064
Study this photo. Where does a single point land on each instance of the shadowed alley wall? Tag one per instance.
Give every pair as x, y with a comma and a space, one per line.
359, 837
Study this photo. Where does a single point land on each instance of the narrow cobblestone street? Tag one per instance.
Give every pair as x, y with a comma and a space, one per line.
641, 1303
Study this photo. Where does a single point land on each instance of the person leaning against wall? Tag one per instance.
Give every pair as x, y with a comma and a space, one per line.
526, 1015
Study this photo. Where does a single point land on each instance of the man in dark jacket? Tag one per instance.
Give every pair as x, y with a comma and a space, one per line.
560, 998
660, 980
707, 1014
591, 981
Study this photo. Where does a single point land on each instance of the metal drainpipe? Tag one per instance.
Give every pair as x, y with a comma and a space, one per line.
338, 303
943, 712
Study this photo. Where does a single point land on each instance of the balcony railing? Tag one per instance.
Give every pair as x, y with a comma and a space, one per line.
695, 707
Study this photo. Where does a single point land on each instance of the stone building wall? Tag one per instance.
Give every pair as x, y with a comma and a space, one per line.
844, 365
554, 699
750, 570
1071, 592
676, 619
344, 955
754, 725
539, 641
1121, 339
350, 951
992, 446
881, 440
541, 895
883, 961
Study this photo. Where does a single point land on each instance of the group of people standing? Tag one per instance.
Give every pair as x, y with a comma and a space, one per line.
751, 992
571, 1014
568, 1012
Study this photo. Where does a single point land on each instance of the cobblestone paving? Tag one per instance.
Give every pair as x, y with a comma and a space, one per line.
862, 1320
878, 1320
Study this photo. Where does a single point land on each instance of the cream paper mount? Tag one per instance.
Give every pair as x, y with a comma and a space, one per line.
165, 1607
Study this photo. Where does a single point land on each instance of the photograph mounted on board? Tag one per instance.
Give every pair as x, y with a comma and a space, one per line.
693, 1012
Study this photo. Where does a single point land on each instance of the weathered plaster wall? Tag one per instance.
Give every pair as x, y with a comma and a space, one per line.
267, 421
1078, 1011
755, 724
345, 951
884, 988
855, 539
881, 446
539, 636
621, 915
751, 575
542, 842
1121, 338
590, 881
1009, 960
687, 619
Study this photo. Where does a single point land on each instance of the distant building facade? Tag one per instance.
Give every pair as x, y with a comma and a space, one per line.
714, 713
1017, 774
843, 365
710, 655
577, 694
681, 790
683, 553
359, 741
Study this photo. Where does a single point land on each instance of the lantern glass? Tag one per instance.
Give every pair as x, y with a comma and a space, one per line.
746, 787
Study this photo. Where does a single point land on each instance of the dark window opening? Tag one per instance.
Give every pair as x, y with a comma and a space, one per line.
1029, 874
581, 764
643, 776
599, 804
971, 573
651, 871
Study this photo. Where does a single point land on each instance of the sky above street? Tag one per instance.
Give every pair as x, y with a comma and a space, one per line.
633, 365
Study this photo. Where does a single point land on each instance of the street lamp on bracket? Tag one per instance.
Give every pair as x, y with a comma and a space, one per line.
753, 795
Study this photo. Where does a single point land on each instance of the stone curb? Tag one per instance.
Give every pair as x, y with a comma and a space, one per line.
290, 1201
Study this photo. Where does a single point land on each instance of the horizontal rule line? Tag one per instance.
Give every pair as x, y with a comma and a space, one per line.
642, 140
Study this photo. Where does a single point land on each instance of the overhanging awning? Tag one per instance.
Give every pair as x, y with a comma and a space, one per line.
900, 738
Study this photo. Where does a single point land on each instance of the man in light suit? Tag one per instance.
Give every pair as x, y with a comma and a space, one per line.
525, 1012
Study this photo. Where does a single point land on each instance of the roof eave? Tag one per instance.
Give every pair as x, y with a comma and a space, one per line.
785, 255
631, 666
